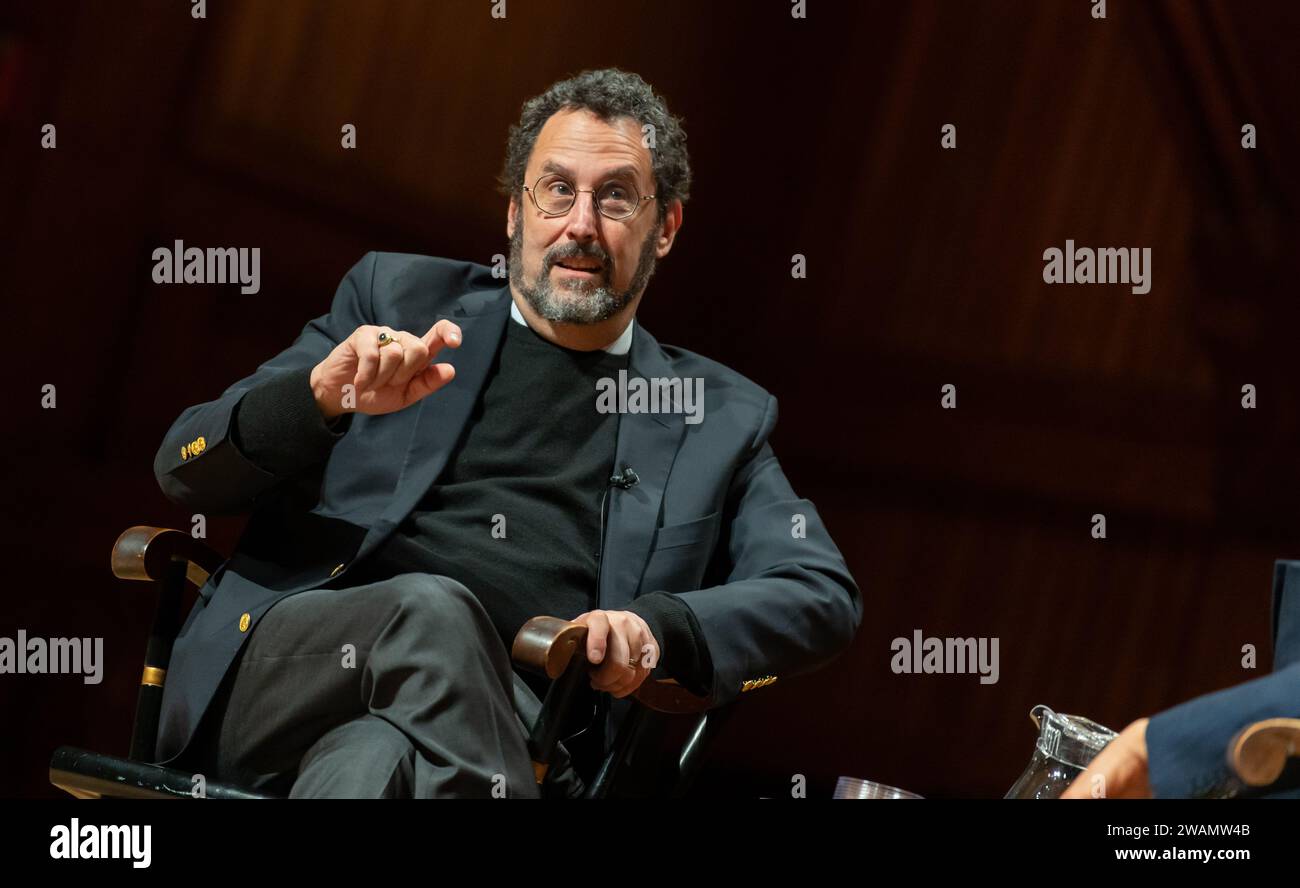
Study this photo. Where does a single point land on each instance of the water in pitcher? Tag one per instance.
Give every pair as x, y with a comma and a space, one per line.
1066, 744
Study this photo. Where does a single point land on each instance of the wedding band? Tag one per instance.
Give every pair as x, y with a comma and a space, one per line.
385, 339
633, 663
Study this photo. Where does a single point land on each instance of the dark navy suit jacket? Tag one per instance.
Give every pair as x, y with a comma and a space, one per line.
1187, 745
713, 518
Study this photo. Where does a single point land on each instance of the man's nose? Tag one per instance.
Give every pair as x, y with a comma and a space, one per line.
583, 220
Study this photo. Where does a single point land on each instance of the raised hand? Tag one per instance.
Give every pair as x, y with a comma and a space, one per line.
386, 377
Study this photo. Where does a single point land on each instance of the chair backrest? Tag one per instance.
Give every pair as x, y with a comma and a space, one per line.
169, 558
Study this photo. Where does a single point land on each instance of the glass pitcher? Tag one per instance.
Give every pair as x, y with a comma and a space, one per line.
1066, 744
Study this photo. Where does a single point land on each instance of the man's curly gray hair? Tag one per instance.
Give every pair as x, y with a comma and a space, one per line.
609, 93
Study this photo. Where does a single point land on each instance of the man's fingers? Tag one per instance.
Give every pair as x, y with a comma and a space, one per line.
442, 333
366, 346
429, 381
615, 670
415, 357
390, 360
612, 646
646, 651
597, 634
375, 364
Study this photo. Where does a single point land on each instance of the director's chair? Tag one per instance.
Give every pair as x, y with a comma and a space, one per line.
1265, 756
545, 645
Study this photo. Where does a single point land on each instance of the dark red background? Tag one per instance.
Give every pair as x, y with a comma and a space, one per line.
818, 137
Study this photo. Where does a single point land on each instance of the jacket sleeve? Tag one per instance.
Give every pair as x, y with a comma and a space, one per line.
789, 604
685, 654
220, 456
1187, 746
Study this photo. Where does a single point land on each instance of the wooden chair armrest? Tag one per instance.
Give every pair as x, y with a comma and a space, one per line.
547, 644
1259, 752
143, 553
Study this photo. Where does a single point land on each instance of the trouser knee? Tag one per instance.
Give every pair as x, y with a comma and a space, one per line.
442, 603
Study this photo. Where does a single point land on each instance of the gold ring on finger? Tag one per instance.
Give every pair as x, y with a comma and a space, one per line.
385, 338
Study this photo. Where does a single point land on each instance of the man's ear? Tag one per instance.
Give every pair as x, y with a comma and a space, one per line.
512, 212
668, 229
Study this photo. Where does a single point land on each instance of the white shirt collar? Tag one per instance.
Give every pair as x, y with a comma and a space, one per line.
620, 346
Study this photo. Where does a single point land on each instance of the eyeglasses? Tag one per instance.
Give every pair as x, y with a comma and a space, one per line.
555, 195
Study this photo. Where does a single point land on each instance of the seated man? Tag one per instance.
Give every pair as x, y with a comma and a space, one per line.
1183, 752
407, 517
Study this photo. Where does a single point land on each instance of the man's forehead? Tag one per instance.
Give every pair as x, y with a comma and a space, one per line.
579, 142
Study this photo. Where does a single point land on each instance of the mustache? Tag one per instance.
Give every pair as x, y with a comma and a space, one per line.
574, 252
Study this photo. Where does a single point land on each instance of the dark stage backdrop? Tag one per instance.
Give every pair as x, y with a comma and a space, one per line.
818, 136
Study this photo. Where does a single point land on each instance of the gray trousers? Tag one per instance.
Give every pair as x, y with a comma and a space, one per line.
395, 689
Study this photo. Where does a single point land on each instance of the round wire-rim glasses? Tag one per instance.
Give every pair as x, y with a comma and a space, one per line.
606, 198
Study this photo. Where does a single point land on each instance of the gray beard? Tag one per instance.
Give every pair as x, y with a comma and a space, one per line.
582, 302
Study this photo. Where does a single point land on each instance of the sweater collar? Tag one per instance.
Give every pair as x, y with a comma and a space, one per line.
619, 346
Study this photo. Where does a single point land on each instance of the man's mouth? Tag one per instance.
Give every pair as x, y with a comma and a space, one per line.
581, 265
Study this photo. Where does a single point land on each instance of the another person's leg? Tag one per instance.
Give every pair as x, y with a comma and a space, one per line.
416, 652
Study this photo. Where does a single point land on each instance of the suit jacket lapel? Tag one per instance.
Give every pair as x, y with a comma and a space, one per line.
482, 317
647, 444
